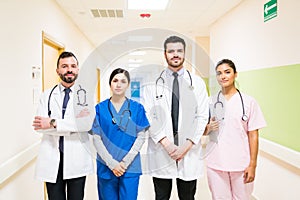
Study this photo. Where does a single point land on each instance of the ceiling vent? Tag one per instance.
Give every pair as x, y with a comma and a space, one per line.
107, 13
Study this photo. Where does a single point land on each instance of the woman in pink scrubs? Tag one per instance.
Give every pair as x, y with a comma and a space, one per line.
231, 164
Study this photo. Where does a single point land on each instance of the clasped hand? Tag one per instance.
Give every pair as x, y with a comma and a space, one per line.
178, 152
119, 169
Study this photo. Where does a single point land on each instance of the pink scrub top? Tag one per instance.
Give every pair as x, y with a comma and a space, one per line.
231, 152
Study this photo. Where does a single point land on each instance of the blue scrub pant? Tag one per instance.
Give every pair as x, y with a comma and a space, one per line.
118, 188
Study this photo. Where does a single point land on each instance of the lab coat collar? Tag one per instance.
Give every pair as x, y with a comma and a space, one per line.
61, 88
169, 72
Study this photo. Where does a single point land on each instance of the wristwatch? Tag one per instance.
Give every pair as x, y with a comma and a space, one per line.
53, 123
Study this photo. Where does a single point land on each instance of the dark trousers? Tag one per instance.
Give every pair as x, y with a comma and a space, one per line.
73, 187
186, 189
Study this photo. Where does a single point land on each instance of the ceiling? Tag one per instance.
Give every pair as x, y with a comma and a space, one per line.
189, 17
115, 38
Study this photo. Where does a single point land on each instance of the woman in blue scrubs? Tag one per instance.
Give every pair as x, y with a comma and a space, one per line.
119, 133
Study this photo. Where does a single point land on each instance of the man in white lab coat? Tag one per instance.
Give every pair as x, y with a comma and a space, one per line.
176, 125
64, 159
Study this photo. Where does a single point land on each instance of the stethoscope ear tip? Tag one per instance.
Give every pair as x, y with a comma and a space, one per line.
160, 96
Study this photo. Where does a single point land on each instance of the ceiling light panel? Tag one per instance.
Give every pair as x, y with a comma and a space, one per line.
147, 4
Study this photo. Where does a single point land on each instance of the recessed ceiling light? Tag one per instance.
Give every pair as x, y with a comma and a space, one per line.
147, 4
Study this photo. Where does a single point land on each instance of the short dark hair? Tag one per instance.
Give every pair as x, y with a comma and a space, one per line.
173, 39
119, 71
65, 54
228, 62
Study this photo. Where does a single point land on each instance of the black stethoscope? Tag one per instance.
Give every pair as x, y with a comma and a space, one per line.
163, 84
49, 111
113, 119
81, 95
244, 117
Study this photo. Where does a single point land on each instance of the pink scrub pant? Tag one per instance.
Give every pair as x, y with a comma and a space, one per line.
228, 185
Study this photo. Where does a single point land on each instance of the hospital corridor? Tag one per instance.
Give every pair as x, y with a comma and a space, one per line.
141, 81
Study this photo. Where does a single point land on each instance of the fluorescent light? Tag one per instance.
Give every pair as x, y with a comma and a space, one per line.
137, 53
147, 4
140, 38
135, 60
133, 65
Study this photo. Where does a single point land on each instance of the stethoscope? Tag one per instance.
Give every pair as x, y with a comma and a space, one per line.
160, 78
49, 111
114, 120
81, 95
244, 117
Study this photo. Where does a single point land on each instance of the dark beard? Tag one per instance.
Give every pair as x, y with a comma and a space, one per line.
177, 65
68, 79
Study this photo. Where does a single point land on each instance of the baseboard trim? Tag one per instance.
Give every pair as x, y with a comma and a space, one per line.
14, 164
280, 152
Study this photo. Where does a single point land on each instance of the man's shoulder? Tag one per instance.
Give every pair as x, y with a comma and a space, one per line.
197, 77
50, 90
198, 80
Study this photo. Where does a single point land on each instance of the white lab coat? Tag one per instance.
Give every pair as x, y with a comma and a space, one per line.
78, 160
193, 116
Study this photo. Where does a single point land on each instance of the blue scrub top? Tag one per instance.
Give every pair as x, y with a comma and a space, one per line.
118, 138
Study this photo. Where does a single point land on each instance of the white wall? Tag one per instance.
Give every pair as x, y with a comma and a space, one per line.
243, 36
276, 179
252, 43
22, 23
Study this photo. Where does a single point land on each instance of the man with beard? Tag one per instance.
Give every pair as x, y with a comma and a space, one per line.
178, 107
64, 160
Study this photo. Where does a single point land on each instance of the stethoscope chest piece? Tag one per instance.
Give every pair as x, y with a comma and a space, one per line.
245, 117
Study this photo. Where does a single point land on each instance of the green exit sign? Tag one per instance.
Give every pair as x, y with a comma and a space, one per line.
270, 10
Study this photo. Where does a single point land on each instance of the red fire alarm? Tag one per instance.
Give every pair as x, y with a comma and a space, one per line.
145, 15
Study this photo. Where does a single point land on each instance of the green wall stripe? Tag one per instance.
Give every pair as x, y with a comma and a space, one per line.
277, 91
206, 80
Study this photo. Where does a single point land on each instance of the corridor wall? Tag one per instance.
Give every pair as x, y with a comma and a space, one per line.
22, 23
267, 58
